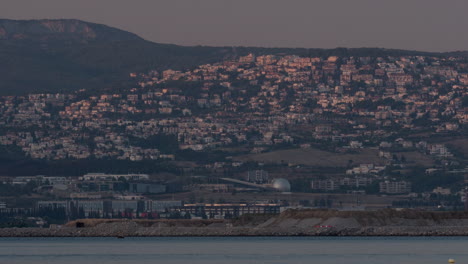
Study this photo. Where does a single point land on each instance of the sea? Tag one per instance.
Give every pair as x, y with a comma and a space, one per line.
226, 250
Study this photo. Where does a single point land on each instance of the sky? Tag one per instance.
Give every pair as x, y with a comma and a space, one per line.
425, 25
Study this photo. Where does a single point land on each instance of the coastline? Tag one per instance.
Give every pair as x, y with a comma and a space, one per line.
130, 230
289, 223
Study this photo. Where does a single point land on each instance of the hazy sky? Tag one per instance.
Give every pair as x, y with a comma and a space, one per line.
430, 25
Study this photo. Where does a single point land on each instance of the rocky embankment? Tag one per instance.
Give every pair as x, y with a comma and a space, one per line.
289, 223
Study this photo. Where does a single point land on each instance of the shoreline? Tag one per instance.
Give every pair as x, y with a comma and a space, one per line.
299, 223
235, 232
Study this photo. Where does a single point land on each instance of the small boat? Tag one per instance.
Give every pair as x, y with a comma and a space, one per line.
120, 237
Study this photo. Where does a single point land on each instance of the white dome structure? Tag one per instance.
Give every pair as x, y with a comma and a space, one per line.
281, 185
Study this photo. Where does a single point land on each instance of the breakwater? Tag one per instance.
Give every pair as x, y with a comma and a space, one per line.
128, 230
289, 223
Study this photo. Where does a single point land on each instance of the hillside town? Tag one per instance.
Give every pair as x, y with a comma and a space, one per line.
350, 125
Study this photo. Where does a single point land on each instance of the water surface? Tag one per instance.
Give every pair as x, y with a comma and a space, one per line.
270, 250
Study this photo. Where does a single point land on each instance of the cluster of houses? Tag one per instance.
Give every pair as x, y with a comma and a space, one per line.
251, 101
254, 104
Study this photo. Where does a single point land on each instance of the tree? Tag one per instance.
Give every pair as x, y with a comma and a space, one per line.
192, 198
187, 215
81, 213
403, 159
465, 101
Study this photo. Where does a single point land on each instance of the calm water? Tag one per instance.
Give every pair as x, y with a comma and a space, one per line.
233, 250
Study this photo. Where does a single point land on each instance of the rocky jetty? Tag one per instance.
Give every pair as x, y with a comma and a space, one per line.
289, 223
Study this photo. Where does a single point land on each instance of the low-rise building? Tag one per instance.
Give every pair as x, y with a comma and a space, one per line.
395, 187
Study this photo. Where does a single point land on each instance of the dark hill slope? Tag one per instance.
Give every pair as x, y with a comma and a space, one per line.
65, 29
66, 55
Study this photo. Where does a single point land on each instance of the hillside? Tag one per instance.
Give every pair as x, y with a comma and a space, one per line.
66, 55
66, 29
316, 157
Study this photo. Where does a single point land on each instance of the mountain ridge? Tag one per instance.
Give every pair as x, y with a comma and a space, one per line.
64, 55
21, 29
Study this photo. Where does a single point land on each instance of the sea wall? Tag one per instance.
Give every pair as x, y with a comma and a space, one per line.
289, 223
128, 230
